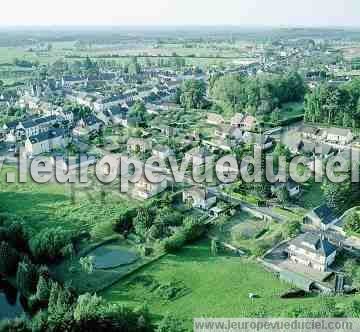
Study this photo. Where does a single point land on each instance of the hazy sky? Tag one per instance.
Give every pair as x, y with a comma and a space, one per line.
181, 12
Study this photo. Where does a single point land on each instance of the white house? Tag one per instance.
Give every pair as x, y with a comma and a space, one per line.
339, 135
45, 142
145, 189
34, 126
312, 250
199, 198
88, 125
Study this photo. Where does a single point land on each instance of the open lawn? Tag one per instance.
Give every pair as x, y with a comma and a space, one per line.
52, 204
210, 286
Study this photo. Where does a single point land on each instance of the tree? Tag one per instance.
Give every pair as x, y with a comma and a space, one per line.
138, 115
26, 278
43, 289
87, 264
291, 229
50, 244
352, 223
214, 247
194, 228
170, 324
336, 194
18, 235
193, 94
79, 111
53, 297
124, 224
275, 116
226, 91
168, 217
9, 259
282, 194
87, 307
15, 325
142, 222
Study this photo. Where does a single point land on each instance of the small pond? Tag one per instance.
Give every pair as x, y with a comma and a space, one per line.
10, 301
112, 256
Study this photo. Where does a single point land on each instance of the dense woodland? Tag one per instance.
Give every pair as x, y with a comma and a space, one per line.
256, 95
334, 105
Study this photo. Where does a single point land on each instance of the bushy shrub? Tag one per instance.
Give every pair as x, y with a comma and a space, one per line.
13, 230
124, 224
51, 244
175, 242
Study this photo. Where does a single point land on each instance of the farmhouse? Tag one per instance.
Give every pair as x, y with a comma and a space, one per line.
249, 122
199, 198
312, 250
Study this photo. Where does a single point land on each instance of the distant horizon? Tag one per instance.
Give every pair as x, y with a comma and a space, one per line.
173, 26
164, 13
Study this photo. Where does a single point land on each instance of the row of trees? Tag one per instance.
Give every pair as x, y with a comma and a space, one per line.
334, 105
256, 95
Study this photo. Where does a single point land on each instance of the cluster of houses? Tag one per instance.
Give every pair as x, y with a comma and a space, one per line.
241, 129
43, 116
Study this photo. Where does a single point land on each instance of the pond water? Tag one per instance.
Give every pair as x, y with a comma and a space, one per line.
107, 257
10, 302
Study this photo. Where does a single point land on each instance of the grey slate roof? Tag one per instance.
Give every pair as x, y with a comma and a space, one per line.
52, 133
339, 131
314, 243
326, 214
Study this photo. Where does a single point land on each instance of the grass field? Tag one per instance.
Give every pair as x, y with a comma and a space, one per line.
51, 205
215, 287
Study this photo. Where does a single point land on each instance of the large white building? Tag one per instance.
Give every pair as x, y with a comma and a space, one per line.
312, 250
